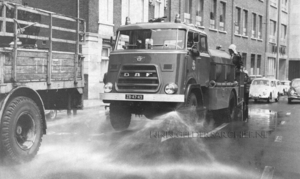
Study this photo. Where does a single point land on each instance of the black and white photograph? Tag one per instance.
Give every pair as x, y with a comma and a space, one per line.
149, 89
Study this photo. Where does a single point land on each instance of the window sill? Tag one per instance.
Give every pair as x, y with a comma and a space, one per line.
260, 40
214, 30
107, 24
285, 11
104, 58
200, 27
253, 38
272, 43
275, 6
238, 35
223, 32
245, 37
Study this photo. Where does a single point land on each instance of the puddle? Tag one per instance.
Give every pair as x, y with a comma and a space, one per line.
135, 153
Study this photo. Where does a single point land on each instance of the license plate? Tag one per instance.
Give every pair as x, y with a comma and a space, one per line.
134, 96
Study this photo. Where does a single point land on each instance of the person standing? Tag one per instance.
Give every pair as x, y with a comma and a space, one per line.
235, 57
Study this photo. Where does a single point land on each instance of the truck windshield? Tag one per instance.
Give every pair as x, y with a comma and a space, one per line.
157, 39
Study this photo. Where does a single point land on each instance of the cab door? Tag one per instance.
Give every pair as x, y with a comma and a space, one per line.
192, 57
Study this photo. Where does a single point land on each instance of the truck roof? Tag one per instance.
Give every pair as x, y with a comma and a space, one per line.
161, 25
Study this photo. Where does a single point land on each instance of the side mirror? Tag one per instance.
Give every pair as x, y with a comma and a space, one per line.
112, 42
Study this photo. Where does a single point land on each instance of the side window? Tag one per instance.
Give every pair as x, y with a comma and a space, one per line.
190, 41
203, 44
272, 83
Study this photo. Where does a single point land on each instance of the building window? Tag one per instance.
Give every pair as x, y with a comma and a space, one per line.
188, 6
258, 65
199, 13
222, 16
252, 64
245, 22
104, 61
238, 20
260, 25
271, 67
283, 32
253, 33
272, 31
188, 11
213, 13
244, 59
273, 3
284, 4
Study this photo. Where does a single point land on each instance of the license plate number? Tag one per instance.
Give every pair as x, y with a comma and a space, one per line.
134, 96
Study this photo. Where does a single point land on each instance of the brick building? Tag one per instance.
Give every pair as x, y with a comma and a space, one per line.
244, 23
277, 42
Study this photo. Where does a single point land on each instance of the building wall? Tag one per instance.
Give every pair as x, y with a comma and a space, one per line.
277, 46
294, 35
225, 36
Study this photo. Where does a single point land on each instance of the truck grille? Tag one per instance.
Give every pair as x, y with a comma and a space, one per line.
138, 78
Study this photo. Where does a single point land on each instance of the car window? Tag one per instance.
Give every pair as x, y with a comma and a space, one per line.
261, 82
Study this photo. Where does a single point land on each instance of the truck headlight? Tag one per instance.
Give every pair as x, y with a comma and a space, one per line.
171, 88
108, 87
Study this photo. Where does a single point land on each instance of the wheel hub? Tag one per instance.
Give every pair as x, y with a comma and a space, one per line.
25, 132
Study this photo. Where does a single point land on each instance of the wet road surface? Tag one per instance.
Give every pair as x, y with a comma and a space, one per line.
86, 146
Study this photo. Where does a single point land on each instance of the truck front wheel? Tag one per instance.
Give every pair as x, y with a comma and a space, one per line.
21, 130
120, 116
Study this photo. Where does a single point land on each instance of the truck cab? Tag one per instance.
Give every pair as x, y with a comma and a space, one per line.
158, 67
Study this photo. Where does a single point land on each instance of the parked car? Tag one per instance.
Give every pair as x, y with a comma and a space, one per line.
264, 88
294, 91
285, 85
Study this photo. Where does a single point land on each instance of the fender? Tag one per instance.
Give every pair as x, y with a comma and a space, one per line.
27, 92
191, 87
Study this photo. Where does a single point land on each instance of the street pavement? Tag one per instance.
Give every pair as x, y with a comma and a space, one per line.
85, 146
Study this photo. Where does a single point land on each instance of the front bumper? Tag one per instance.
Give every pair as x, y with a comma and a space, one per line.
146, 97
294, 96
258, 96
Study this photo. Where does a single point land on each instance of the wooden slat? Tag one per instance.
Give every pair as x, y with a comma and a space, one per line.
27, 77
32, 54
40, 69
62, 56
38, 38
36, 24
31, 61
63, 62
64, 69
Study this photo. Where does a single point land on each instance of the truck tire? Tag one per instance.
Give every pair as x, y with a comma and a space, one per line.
120, 116
21, 130
269, 98
191, 108
289, 100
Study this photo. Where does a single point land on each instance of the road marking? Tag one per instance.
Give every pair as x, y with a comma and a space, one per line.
278, 139
268, 172
194, 135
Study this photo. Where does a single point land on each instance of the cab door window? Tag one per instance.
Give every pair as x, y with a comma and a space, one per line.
203, 43
190, 40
